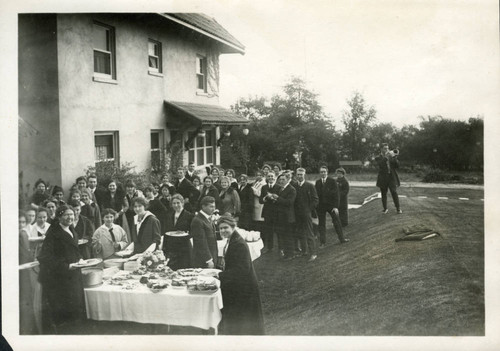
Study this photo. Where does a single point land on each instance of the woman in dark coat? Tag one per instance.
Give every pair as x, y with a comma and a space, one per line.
242, 312
62, 288
178, 248
147, 227
208, 189
343, 195
247, 205
114, 197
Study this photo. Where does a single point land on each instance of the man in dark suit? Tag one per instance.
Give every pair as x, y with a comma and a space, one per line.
388, 178
305, 203
190, 173
203, 233
188, 191
328, 193
246, 199
285, 201
269, 213
97, 191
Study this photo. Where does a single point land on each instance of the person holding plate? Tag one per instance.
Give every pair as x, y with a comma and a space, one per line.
242, 312
177, 247
62, 288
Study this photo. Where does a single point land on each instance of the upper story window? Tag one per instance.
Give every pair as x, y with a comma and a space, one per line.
154, 56
201, 73
104, 51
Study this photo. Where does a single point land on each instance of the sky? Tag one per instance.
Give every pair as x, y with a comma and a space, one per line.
407, 58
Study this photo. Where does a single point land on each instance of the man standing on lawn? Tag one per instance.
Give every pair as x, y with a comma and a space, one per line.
305, 203
328, 193
388, 178
205, 253
285, 201
269, 212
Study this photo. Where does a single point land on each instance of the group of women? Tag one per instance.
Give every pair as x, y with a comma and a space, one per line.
98, 223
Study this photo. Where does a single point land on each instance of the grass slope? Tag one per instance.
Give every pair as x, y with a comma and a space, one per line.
375, 286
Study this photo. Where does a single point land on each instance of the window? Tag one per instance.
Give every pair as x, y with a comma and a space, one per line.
201, 150
104, 51
201, 73
106, 147
154, 56
156, 149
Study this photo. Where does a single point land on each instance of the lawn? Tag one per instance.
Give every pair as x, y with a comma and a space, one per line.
376, 286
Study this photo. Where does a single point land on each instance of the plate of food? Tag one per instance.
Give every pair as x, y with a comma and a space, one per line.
210, 272
189, 272
87, 263
157, 286
36, 239
202, 287
177, 233
82, 241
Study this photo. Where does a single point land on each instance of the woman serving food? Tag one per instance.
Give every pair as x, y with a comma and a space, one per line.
242, 312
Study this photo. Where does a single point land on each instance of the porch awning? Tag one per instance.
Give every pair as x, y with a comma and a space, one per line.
181, 115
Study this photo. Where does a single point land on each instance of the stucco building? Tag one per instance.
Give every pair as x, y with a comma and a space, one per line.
117, 88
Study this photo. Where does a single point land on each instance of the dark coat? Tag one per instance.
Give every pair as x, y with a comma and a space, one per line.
328, 194
387, 178
178, 249
242, 312
156, 207
212, 191
148, 234
306, 200
117, 203
188, 191
188, 177
62, 287
285, 205
85, 230
269, 211
98, 195
204, 241
344, 201
247, 206
93, 213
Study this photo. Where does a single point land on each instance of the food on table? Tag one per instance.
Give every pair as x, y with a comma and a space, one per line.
189, 272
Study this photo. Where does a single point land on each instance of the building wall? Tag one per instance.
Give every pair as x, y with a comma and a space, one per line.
39, 153
134, 105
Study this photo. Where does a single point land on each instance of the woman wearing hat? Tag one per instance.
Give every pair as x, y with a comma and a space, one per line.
242, 312
62, 288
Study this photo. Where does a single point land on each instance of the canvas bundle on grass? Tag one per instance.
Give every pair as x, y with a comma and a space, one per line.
418, 232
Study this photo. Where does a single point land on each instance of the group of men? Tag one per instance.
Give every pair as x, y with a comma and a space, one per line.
289, 206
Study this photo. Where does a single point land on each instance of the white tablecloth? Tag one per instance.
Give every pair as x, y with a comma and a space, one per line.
171, 306
254, 247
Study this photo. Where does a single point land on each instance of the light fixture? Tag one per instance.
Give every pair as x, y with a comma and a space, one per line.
363, 140
227, 133
201, 133
245, 131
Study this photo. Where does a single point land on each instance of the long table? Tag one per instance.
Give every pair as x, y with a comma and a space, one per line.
254, 247
171, 306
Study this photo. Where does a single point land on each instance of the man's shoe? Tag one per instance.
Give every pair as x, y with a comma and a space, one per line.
344, 241
399, 211
282, 253
385, 211
312, 258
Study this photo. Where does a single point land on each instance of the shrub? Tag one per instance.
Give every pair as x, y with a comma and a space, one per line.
435, 175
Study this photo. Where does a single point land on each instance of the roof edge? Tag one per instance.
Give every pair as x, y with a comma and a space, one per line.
238, 49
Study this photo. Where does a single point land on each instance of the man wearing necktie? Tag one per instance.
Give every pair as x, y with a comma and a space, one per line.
203, 233
387, 178
269, 213
305, 203
328, 194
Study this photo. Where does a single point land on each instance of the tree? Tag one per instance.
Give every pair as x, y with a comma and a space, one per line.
289, 123
357, 121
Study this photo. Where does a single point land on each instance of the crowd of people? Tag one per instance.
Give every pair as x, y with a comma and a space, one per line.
184, 218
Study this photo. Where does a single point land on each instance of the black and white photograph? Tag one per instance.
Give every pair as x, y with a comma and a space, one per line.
248, 174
